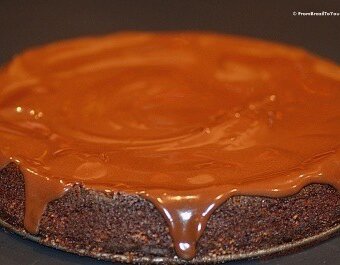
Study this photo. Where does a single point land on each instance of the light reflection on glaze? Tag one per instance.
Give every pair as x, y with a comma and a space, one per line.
186, 120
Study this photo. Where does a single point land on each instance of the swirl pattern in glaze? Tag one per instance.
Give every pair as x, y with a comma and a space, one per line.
185, 120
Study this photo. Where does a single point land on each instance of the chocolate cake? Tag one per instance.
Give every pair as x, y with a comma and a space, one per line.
170, 147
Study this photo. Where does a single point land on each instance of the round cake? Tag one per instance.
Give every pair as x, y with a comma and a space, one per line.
173, 147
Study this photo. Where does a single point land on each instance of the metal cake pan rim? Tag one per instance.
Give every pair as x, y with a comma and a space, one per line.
164, 260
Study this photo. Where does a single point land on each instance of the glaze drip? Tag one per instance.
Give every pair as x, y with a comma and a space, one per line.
185, 120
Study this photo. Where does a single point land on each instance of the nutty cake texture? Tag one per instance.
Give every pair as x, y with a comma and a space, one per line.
177, 147
89, 222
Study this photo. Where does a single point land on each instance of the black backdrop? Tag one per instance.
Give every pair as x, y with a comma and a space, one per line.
28, 23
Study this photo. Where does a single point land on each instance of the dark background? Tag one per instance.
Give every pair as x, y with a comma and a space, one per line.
25, 24
28, 23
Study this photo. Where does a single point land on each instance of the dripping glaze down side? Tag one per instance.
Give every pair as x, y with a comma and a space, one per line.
186, 120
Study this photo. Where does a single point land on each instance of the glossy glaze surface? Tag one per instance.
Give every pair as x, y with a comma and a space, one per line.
186, 120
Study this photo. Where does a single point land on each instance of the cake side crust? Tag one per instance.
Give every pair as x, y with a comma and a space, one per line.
89, 222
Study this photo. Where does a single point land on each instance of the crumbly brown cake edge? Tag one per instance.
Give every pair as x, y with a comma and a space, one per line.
94, 223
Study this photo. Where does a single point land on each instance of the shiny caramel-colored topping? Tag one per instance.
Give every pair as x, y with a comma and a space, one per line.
185, 120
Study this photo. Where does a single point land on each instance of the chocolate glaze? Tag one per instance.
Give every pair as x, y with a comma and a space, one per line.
186, 120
